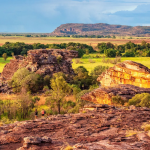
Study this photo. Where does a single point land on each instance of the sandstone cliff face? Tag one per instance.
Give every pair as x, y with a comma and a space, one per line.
127, 72
44, 62
125, 79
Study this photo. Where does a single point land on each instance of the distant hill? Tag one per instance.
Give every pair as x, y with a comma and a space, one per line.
101, 29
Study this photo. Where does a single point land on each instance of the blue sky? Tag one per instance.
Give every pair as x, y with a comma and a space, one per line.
43, 16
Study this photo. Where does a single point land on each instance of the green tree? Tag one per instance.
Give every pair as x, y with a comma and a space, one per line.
23, 79
98, 70
59, 90
5, 56
87, 52
110, 52
143, 43
82, 79
12, 54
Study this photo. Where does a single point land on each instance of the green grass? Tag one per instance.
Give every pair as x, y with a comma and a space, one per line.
90, 66
98, 61
3, 62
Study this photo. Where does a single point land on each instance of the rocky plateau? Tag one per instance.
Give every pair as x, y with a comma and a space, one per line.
97, 127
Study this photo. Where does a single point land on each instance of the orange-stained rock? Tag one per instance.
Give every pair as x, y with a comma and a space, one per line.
103, 95
125, 79
127, 72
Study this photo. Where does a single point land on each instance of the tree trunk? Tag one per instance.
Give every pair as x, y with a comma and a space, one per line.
58, 105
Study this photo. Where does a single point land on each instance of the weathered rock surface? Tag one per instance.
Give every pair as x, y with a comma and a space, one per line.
125, 79
104, 128
103, 95
44, 62
127, 72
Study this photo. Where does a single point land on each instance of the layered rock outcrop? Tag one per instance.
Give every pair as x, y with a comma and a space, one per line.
125, 79
103, 95
44, 62
104, 128
127, 72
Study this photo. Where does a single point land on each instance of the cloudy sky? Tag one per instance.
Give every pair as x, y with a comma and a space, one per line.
43, 16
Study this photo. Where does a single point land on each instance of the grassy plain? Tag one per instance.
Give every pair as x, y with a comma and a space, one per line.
57, 40
3, 62
98, 61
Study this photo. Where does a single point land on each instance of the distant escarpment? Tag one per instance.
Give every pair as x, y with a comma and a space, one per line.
125, 79
101, 29
43, 62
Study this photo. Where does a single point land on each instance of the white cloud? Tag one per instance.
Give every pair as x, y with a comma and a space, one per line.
85, 10
46, 15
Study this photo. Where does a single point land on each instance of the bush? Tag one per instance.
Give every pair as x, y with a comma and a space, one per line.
5, 56
112, 61
23, 79
78, 61
118, 100
142, 100
129, 54
91, 61
110, 53
47, 80
98, 70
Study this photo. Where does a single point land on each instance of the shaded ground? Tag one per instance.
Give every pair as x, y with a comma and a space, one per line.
104, 128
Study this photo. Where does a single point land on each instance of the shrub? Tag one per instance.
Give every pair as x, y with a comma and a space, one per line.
98, 70
47, 80
45, 88
142, 100
23, 79
129, 54
78, 61
91, 61
112, 61
5, 56
118, 100
59, 58
110, 53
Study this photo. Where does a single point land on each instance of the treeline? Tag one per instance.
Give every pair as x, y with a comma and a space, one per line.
74, 36
126, 50
93, 36
20, 48
26, 35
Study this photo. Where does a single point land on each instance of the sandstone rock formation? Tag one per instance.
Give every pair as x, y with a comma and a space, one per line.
125, 79
127, 72
100, 29
103, 95
44, 62
104, 128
